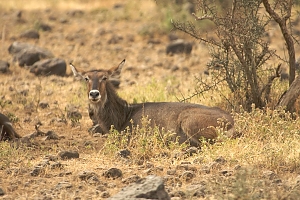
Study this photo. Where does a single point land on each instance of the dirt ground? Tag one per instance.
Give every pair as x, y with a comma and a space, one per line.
94, 38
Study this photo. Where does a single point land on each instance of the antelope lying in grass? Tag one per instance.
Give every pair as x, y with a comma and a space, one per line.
190, 122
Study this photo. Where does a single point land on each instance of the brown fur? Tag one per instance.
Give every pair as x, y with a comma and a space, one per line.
190, 122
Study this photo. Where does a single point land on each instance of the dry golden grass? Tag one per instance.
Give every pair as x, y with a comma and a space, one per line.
269, 139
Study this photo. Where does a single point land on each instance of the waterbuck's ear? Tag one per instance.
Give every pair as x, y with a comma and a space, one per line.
116, 71
76, 73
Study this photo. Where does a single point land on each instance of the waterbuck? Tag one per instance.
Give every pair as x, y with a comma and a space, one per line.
190, 122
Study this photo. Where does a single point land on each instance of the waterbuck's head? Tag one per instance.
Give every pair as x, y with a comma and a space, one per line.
97, 82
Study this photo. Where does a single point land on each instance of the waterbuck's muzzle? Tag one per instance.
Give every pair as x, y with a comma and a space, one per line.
94, 96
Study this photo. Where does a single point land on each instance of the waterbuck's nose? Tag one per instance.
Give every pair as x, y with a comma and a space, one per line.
94, 94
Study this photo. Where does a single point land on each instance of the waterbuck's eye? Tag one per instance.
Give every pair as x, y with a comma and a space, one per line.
86, 78
104, 78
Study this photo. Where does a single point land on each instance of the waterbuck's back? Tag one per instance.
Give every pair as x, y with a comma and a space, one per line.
189, 121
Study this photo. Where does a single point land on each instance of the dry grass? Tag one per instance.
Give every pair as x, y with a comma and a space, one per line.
270, 139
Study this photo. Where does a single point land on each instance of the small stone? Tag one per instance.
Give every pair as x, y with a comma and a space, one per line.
220, 160
50, 135
65, 155
63, 185
2, 192
171, 172
131, 179
113, 173
85, 175
105, 194
4, 66
192, 150
226, 172
36, 171
125, 153
33, 34
188, 175
44, 104
177, 194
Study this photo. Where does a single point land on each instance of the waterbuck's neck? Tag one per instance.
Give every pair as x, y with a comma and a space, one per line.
115, 111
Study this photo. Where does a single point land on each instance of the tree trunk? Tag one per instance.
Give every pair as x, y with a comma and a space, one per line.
289, 98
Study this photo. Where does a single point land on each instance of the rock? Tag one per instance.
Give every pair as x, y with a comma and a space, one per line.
151, 187
186, 167
226, 172
104, 194
65, 155
187, 175
220, 160
131, 179
124, 153
28, 54
197, 190
113, 173
84, 175
178, 193
36, 171
179, 46
4, 66
51, 66
50, 135
32, 34
2, 192
90, 177
63, 185
171, 172
44, 27
44, 104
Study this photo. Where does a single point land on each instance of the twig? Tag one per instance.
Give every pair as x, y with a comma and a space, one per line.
203, 17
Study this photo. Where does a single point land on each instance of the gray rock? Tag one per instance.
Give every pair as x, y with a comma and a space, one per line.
44, 104
44, 27
51, 66
28, 54
179, 46
188, 175
65, 155
4, 66
37, 170
32, 34
131, 179
104, 194
2, 192
151, 187
51, 135
113, 173
63, 185
178, 193
220, 160
90, 177
124, 153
